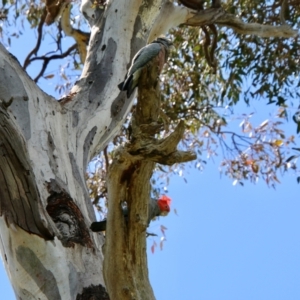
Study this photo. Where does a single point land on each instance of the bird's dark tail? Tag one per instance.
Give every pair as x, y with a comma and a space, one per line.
123, 86
120, 86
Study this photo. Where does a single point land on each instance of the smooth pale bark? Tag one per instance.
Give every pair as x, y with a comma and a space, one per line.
47, 248
45, 146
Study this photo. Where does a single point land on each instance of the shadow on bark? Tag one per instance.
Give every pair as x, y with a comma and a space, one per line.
19, 197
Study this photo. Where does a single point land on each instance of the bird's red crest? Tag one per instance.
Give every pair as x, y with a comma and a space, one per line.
164, 203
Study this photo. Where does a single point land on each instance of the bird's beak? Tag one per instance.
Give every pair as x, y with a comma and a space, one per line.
164, 213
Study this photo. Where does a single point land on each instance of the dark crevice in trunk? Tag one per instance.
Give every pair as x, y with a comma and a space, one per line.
68, 219
97, 292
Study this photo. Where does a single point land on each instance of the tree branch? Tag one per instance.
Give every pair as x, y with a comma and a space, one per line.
220, 17
172, 16
81, 38
35, 50
47, 59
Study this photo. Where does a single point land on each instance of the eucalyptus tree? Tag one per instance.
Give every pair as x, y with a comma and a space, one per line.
46, 143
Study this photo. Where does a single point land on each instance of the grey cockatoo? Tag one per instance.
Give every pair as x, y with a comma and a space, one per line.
158, 49
160, 207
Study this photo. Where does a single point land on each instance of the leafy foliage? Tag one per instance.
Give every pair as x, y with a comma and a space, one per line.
249, 68
18, 17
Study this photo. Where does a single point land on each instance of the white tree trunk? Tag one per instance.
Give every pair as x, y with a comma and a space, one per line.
48, 250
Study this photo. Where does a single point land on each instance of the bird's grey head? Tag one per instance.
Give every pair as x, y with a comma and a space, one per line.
167, 43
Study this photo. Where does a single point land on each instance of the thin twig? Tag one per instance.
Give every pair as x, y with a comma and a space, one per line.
38, 43
106, 158
49, 58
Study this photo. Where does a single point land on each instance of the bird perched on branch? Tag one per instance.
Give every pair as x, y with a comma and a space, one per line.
160, 207
159, 49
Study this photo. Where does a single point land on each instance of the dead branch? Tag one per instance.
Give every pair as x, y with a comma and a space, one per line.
220, 17
47, 59
35, 50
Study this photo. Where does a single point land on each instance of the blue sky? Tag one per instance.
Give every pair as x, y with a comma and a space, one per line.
227, 242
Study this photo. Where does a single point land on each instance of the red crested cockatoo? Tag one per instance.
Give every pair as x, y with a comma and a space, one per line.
160, 207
